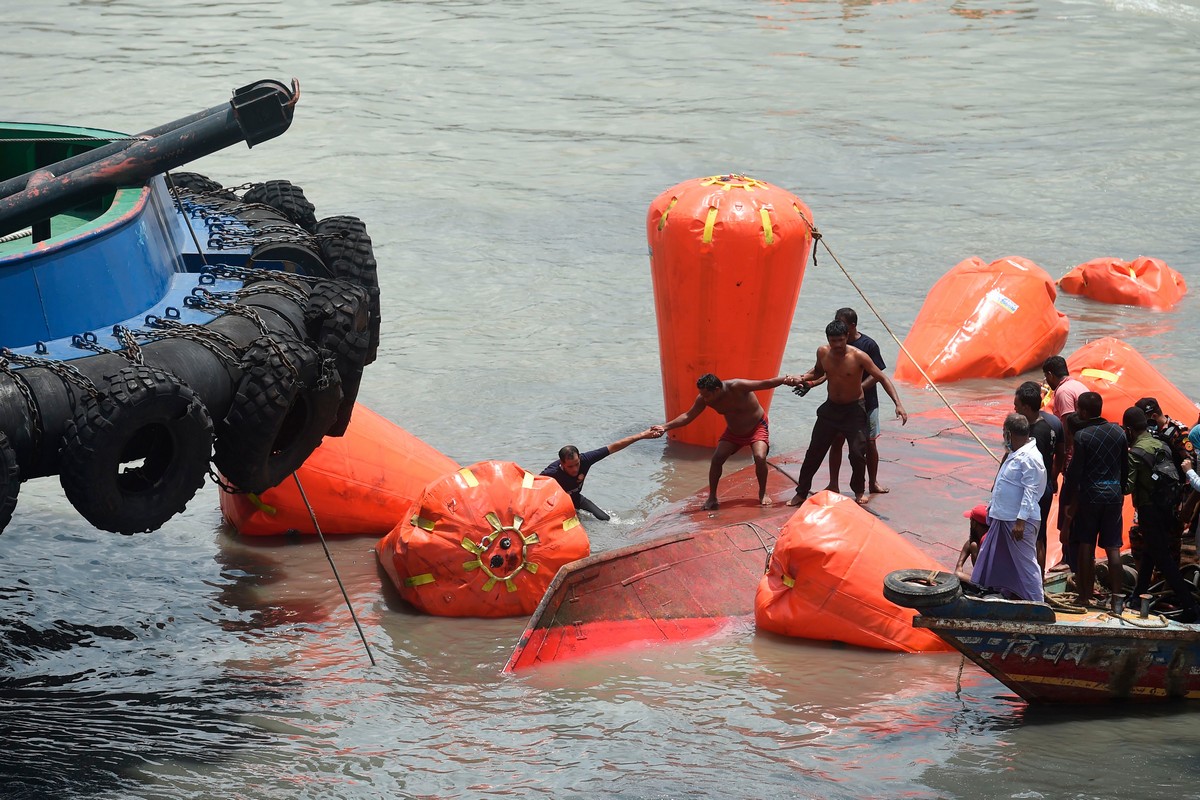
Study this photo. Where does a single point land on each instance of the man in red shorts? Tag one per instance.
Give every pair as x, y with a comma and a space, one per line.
746, 425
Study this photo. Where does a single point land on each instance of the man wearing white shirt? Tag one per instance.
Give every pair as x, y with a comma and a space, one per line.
1008, 557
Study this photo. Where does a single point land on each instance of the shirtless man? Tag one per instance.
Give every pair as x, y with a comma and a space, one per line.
844, 412
745, 424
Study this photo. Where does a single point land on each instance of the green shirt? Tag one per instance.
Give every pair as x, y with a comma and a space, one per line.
1138, 481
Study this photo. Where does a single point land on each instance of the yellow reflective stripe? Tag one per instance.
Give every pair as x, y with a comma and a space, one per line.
533, 568
469, 477
421, 522
1102, 374
527, 481
709, 221
768, 234
419, 580
510, 584
570, 523
471, 547
788, 580
260, 505
662, 221
533, 537
493, 520
487, 587
470, 565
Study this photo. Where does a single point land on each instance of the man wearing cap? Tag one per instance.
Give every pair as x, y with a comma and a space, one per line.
1157, 523
970, 549
1008, 556
1160, 426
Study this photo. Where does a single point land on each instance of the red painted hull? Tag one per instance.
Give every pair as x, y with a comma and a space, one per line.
697, 571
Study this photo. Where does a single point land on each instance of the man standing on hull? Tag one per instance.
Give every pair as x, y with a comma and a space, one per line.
856, 338
746, 424
844, 412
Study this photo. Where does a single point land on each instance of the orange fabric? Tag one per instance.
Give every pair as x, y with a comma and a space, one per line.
1054, 550
985, 321
727, 257
358, 483
838, 554
1146, 282
1097, 363
484, 541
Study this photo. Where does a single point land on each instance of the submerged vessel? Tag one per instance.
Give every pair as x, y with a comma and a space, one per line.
154, 323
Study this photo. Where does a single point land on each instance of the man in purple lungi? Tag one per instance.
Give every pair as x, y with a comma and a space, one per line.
1008, 557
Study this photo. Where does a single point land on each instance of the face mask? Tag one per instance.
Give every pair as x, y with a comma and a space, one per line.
1007, 442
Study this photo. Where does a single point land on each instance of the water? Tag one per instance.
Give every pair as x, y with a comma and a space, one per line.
504, 155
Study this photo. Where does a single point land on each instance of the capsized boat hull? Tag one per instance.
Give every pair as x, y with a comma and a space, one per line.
696, 572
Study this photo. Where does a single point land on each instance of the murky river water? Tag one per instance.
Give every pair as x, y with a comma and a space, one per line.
503, 156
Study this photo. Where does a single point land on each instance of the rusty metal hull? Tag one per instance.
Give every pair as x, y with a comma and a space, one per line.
1093, 658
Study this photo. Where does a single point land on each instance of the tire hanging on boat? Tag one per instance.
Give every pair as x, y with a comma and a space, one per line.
287, 198
141, 414
347, 250
200, 184
10, 481
286, 401
921, 588
338, 319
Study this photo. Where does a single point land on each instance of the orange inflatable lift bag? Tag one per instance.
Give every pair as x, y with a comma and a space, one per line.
1121, 376
361, 482
1146, 282
727, 256
484, 541
825, 579
985, 321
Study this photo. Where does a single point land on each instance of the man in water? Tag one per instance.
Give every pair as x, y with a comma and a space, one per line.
844, 412
856, 338
572, 467
745, 424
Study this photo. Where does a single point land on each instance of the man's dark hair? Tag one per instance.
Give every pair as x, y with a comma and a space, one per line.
836, 328
1057, 366
708, 381
847, 315
1135, 419
570, 451
1090, 405
1029, 394
1016, 424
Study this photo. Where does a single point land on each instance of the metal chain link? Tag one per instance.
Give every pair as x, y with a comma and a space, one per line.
35, 416
65, 372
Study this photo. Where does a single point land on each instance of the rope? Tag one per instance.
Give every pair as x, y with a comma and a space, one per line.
970, 430
312, 515
15, 235
179, 205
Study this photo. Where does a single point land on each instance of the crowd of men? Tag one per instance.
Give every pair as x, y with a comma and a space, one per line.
1146, 455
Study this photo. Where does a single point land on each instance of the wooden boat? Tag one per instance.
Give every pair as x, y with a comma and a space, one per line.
1044, 657
696, 572
151, 322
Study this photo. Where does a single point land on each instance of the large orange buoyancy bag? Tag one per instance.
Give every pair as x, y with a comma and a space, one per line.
825, 579
361, 482
1121, 376
484, 541
984, 321
1146, 282
727, 256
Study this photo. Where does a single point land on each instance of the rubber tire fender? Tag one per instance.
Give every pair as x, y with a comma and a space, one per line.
286, 400
287, 198
200, 184
146, 414
921, 588
10, 481
337, 319
347, 250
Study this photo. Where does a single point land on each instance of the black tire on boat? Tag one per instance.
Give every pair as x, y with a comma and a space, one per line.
921, 588
338, 319
10, 481
143, 416
347, 250
200, 184
285, 403
287, 198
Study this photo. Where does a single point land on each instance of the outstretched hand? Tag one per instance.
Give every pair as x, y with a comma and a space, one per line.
653, 432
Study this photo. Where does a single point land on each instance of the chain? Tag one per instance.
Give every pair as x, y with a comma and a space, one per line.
65, 372
247, 274
131, 349
35, 416
200, 334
